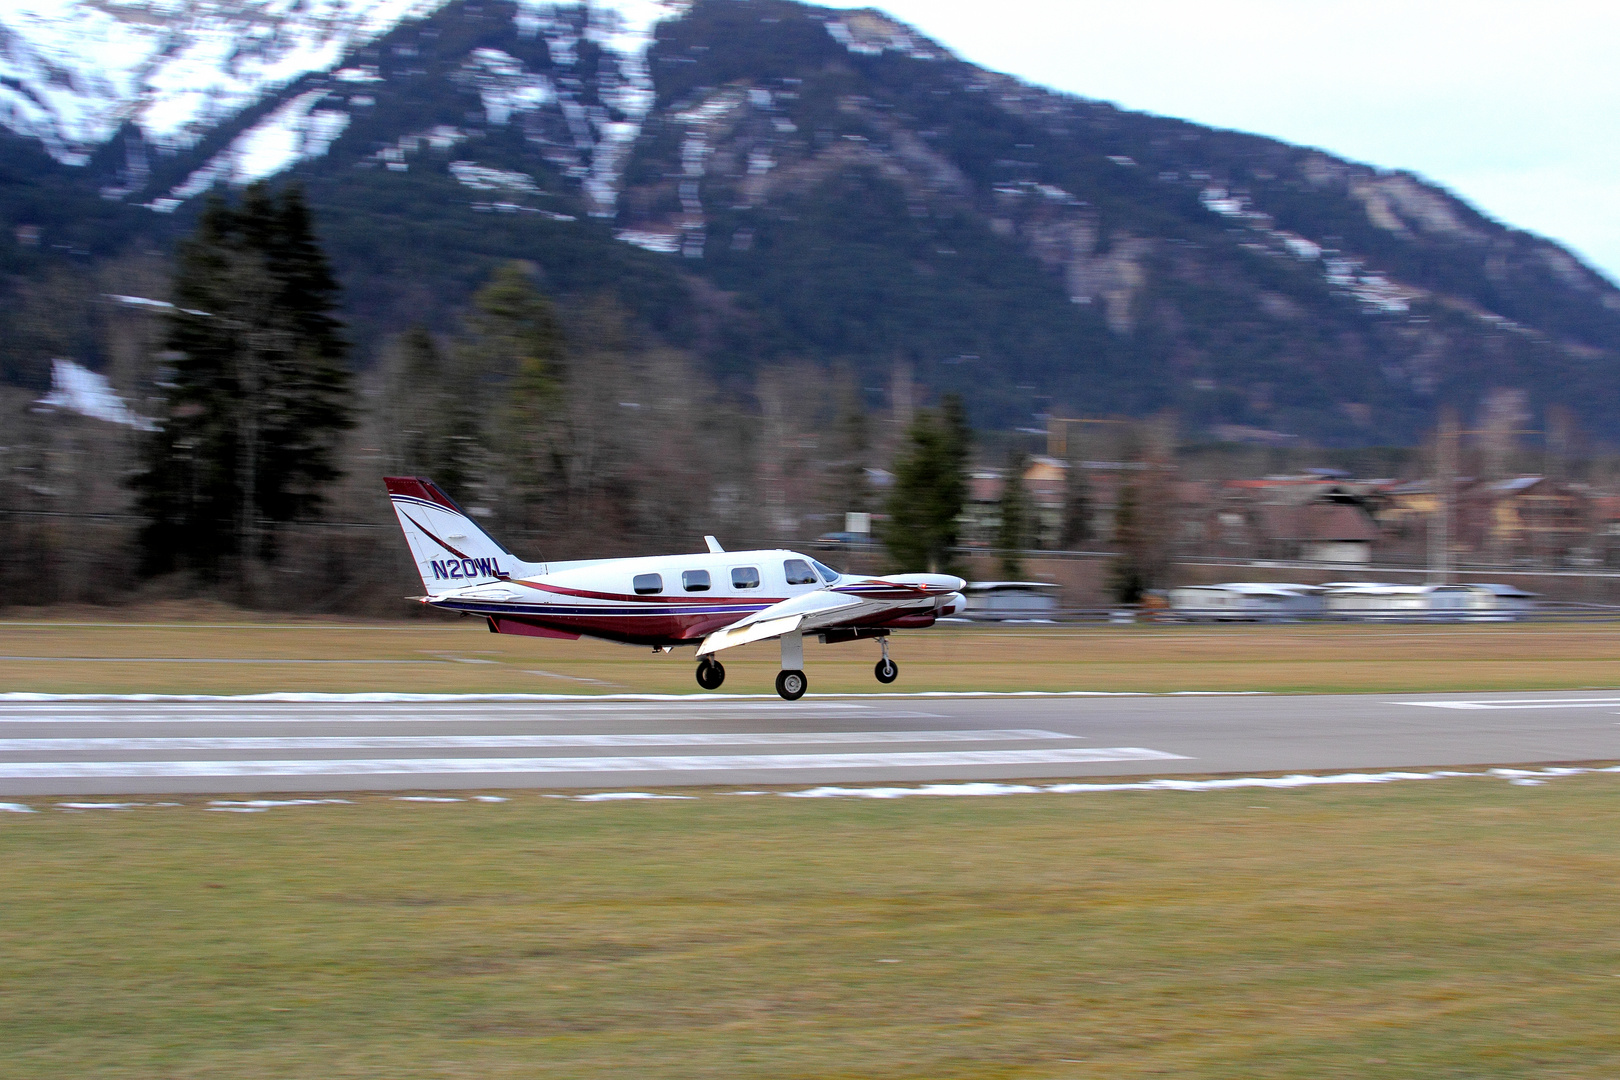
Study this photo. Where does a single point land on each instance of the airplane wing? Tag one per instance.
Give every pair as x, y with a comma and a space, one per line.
811, 610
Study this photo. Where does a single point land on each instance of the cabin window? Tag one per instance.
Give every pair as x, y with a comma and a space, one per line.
695, 580
648, 583
828, 574
798, 572
745, 577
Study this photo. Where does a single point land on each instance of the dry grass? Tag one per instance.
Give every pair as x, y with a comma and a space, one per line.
461, 656
1460, 928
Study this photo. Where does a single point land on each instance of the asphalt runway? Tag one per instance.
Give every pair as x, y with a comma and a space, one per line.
114, 747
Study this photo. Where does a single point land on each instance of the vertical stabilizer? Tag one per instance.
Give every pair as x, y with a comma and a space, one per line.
450, 550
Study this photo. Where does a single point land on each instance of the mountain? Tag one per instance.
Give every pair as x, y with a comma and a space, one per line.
765, 182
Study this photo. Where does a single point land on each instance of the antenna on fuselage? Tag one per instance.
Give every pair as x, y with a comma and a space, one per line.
714, 546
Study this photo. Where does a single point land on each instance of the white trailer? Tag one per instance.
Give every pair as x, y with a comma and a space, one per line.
1246, 601
1004, 601
1361, 601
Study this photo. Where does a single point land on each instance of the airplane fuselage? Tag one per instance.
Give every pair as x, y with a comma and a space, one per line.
670, 600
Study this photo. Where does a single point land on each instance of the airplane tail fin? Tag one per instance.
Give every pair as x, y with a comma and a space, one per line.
450, 550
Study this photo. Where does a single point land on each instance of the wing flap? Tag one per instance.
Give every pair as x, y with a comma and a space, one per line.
732, 636
782, 618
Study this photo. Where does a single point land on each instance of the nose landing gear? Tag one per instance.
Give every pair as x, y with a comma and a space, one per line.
710, 673
887, 670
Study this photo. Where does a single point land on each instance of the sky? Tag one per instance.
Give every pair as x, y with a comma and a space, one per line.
1514, 106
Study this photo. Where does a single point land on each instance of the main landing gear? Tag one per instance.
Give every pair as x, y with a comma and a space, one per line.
710, 673
887, 670
791, 684
790, 681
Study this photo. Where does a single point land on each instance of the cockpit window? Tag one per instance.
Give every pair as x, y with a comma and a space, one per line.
798, 572
647, 583
695, 580
828, 574
745, 577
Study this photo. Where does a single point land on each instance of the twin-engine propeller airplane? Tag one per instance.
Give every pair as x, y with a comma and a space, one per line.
716, 600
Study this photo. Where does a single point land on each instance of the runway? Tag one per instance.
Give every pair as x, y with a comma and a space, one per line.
82, 747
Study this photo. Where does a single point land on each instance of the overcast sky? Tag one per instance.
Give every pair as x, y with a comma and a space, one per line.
1515, 106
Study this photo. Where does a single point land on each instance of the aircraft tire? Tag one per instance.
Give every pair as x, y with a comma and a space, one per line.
886, 671
791, 684
710, 674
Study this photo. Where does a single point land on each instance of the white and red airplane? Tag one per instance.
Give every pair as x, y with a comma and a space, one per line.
715, 600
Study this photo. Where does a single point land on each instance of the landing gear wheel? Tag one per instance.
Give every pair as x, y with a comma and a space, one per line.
886, 671
791, 684
710, 674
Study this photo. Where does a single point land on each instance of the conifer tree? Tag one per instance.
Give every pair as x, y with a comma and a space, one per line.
930, 489
255, 388
430, 410
1076, 508
517, 346
1012, 536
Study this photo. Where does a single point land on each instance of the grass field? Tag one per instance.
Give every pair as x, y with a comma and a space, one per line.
1453, 928
230, 653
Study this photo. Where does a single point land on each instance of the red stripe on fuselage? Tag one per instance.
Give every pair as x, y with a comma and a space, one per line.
650, 630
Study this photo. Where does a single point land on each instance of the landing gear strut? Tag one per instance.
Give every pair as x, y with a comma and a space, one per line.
790, 681
887, 670
710, 673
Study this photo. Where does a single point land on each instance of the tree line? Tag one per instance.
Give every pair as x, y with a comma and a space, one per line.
566, 428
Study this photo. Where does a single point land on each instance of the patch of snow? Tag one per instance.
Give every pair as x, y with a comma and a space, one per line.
1220, 201
139, 301
1298, 780
490, 798
483, 178
426, 798
16, 808
259, 806
623, 29
1302, 248
78, 389
366, 74
622, 796
868, 33
294, 132
504, 85
108, 805
662, 242
73, 71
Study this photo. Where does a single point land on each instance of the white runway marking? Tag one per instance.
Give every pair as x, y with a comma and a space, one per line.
1520, 703
33, 770
503, 742
412, 699
395, 714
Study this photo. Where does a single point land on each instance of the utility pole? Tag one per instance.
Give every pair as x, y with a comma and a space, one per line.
1445, 470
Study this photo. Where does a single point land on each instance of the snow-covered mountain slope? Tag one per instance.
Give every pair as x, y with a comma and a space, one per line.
772, 181
73, 71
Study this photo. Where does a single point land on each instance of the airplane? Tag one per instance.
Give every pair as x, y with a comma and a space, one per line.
714, 600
